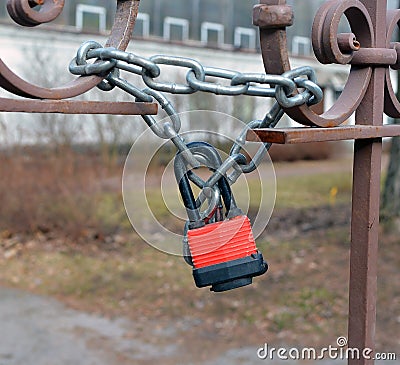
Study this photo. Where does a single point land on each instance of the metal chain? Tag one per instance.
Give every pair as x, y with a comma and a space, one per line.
284, 88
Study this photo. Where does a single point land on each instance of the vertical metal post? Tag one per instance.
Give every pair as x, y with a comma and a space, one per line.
365, 206
364, 247
365, 17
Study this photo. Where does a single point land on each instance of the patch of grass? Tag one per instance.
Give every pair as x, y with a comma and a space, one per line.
313, 190
110, 212
283, 321
313, 300
163, 204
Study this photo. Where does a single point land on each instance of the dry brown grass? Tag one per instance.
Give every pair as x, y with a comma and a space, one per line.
45, 190
74, 192
302, 151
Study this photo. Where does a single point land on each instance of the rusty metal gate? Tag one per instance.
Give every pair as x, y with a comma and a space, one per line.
368, 93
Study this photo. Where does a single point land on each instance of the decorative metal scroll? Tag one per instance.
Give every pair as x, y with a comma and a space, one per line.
23, 13
362, 49
27, 13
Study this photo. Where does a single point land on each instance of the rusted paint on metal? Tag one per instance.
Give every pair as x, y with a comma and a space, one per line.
76, 107
365, 203
374, 56
120, 35
274, 16
325, 30
364, 247
348, 43
326, 25
332, 47
22, 12
392, 105
306, 135
368, 92
124, 22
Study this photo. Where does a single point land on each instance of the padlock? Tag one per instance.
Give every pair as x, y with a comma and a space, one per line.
223, 253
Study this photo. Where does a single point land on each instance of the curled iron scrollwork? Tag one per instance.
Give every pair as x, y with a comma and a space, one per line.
31, 13
23, 12
360, 49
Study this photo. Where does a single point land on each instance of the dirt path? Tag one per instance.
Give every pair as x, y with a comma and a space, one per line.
39, 330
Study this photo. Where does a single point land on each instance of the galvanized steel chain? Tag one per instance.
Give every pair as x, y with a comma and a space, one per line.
293, 88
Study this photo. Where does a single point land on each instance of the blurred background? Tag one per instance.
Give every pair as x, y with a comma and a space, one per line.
78, 284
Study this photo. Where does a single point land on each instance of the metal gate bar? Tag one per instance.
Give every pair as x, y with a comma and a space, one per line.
369, 93
305, 135
22, 12
76, 107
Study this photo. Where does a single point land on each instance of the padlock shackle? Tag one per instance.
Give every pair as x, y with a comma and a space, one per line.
181, 169
213, 158
188, 199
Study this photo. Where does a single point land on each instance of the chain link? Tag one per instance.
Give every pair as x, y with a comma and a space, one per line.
293, 88
311, 95
282, 87
200, 84
171, 87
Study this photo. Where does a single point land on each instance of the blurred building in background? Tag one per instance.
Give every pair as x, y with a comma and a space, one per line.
216, 32
211, 22
214, 23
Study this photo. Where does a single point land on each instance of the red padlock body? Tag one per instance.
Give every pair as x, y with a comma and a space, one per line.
221, 242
